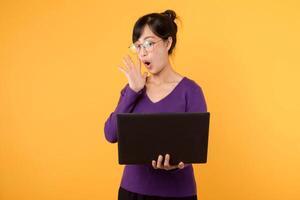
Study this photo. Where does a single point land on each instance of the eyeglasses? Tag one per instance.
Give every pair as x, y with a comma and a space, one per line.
147, 45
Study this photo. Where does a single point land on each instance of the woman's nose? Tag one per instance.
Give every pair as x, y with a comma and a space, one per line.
143, 52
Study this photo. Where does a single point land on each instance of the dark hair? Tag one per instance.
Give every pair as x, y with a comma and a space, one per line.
161, 24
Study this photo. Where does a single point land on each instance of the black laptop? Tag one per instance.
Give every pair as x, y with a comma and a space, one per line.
142, 137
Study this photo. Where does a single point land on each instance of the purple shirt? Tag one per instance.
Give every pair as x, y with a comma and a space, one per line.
187, 96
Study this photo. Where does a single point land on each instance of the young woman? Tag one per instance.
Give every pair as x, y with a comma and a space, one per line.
164, 90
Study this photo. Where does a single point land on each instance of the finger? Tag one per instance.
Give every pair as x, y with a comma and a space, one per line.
166, 163
129, 61
139, 62
122, 70
154, 164
125, 61
181, 165
173, 167
159, 160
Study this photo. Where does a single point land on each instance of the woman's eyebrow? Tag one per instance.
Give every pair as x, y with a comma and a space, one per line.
149, 37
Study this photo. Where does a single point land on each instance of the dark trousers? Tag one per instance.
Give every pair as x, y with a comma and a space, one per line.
127, 195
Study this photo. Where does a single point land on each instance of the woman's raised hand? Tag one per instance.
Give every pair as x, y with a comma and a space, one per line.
133, 73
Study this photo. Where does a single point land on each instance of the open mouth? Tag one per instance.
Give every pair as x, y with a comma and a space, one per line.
147, 63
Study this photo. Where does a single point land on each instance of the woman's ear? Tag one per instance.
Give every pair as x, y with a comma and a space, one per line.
170, 40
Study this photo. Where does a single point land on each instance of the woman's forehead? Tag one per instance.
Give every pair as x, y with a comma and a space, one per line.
147, 34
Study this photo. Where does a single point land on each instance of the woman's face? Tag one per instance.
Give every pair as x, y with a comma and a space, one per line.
156, 58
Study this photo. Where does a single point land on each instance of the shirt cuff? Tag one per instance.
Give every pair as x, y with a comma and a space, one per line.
131, 92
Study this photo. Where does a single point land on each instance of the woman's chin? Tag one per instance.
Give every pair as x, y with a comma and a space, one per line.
149, 69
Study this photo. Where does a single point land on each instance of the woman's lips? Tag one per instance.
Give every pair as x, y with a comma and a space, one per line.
148, 65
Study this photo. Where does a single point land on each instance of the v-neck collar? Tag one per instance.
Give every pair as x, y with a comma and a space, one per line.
169, 94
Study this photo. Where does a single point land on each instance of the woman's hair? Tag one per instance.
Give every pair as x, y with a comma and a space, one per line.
161, 24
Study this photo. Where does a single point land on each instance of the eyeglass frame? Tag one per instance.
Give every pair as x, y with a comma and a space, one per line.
143, 45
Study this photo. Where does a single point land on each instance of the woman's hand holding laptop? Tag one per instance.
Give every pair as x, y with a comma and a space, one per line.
166, 164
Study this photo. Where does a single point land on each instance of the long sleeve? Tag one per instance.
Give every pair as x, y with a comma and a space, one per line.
195, 102
126, 103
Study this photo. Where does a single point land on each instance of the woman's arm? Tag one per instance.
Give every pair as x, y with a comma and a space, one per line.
126, 103
129, 94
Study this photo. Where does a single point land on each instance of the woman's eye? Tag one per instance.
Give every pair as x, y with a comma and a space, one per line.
137, 46
148, 43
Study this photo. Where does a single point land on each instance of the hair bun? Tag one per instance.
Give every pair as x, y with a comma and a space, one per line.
170, 13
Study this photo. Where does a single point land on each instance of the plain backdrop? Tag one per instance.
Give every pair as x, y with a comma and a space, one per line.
59, 82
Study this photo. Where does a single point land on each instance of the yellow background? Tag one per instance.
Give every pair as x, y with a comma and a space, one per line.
59, 82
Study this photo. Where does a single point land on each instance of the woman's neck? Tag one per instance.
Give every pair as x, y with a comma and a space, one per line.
166, 75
